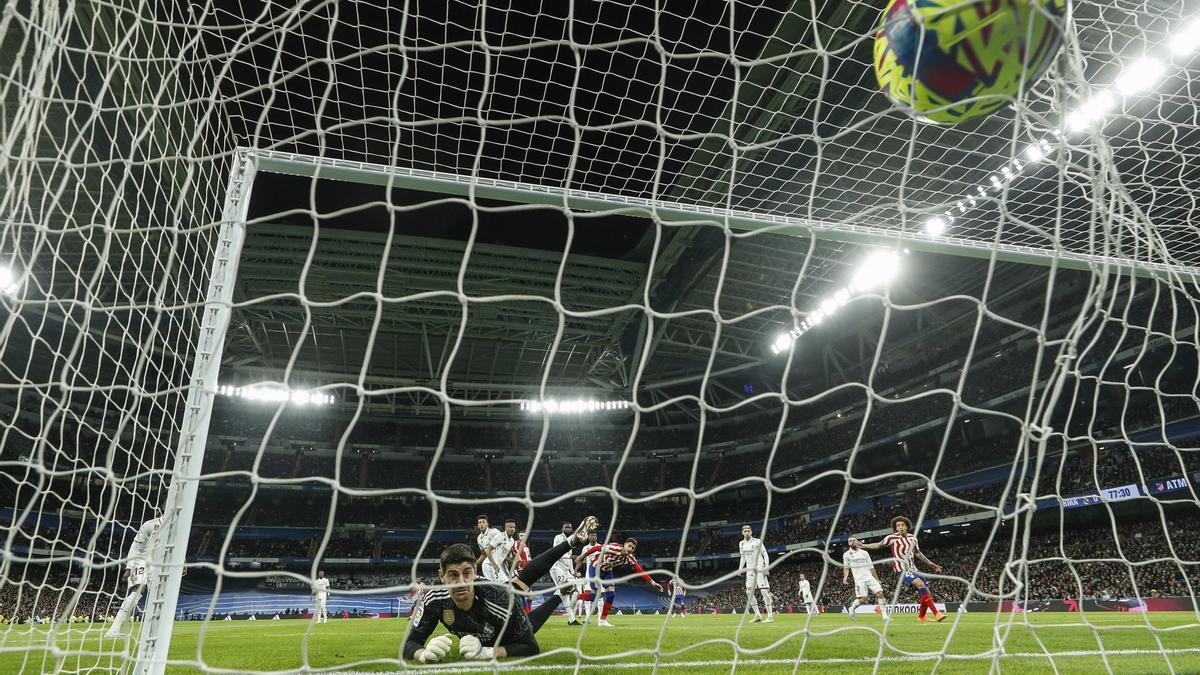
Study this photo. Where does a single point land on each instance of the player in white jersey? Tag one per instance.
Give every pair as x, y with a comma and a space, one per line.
755, 561
137, 562
563, 575
320, 595
856, 562
493, 547
806, 596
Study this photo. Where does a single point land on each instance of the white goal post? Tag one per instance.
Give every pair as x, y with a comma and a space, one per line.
178, 509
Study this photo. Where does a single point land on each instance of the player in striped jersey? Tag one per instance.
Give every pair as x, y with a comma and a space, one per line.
609, 557
904, 547
487, 618
520, 560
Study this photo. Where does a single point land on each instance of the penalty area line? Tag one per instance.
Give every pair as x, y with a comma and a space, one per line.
617, 665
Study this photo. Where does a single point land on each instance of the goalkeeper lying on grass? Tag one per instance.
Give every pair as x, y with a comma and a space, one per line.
488, 619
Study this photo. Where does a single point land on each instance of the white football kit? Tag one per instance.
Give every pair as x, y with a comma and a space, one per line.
140, 551
562, 571
498, 542
860, 566
755, 561
806, 592
322, 592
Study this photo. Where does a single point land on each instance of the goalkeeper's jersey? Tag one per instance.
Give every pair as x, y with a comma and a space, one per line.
497, 617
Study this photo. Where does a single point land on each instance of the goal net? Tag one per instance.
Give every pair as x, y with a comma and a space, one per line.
291, 294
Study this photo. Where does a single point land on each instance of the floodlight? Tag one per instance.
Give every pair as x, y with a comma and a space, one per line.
1140, 76
10, 283
879, 268
1186, 40
782, 342
1092, 111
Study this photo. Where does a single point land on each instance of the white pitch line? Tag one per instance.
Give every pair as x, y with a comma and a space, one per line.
482, 667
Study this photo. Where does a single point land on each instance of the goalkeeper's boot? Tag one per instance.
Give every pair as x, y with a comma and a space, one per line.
585, 530
939, 617
923, 619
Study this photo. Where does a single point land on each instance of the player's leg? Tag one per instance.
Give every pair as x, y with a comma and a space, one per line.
883, 608
860, 598
923, 597
128, 605
608, 598
136, 572
764, 587
751, 598
873, 586
564, 586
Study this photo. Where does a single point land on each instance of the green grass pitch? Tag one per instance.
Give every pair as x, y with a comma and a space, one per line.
791, 643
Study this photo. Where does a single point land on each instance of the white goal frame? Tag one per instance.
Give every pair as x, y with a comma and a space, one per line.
170, 557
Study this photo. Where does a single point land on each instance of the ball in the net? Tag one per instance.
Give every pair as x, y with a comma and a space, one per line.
972, 56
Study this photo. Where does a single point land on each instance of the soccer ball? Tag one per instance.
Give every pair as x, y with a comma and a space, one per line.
967, 50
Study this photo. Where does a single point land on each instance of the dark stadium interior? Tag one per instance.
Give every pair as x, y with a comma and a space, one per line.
989, 400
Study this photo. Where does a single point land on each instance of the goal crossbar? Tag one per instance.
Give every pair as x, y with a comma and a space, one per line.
368, 173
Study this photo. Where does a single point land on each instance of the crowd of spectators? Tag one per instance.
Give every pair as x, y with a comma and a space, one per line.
1084, 563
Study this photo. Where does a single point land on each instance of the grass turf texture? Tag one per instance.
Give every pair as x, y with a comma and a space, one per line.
828, 641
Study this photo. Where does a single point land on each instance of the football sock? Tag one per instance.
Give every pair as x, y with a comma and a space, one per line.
923, 598
127, 607
542, 563
543, 612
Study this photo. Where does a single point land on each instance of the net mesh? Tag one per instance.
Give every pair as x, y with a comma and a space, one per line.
463, 206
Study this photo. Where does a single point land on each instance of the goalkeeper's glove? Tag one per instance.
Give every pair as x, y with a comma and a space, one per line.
470, 648
437, 649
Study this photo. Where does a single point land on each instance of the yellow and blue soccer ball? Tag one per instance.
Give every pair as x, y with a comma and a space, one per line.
971, 57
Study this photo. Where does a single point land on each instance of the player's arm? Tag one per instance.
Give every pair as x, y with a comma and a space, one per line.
876, 546
845, 571
418, 632
921, 556
638, 568
764, 560
741, 560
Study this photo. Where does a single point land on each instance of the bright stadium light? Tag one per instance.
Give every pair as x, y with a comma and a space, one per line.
841, 296
1140, 76
782, 343
274, 394
551, 405
829, 307
1187, 40
10, 283
1034, 153
935, 225
1091, 112
878, 269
